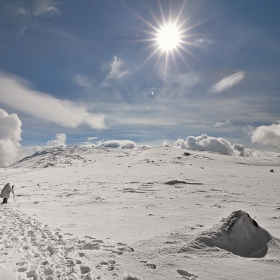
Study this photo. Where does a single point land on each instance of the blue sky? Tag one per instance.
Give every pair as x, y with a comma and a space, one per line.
96, 69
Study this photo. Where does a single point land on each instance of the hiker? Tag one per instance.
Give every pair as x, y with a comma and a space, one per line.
6, 191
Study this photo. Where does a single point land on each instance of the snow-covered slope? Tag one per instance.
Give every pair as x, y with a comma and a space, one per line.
113, 213
55, 157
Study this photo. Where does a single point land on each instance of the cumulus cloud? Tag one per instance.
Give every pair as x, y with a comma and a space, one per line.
165, 143
212, 144
10, 137
18, 94
266, 135
242, 151
59, 141
124, 144
227, 82
47, 8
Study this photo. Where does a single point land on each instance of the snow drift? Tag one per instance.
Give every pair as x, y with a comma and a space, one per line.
238, 234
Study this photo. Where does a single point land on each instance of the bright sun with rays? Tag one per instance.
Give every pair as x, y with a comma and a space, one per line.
168, 37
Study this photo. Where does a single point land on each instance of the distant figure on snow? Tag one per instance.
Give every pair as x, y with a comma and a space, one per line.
6, 191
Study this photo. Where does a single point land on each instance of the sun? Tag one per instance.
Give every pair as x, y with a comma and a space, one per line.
168, 37
169, 34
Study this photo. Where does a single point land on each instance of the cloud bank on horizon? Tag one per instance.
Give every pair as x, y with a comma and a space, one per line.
11, 150
212, 144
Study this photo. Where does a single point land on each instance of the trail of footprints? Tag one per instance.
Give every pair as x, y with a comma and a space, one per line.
44, 254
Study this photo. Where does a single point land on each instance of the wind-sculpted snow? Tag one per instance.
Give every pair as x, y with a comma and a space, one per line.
238, 233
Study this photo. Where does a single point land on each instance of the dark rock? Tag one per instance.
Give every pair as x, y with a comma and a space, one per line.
173, 182
151, 265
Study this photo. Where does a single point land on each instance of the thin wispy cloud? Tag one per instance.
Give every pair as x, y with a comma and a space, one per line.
46, 8
227, 82
248, 129
221, 124
22, 31
83, 81
91, 138
116, 71
202, 41
18, 94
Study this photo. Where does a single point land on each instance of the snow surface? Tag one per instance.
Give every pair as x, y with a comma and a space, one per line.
155, 213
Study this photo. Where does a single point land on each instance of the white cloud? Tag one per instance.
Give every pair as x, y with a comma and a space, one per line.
249, 130
165, 143
265, 154
124, 144
59, 141
22, 31
39, 8
17, 94
10, 137
227, 82
91, 138
241, 150
219, 124
217, 145
27, 151
45, 8
202, 41
266, 135
83, 81
115, 72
